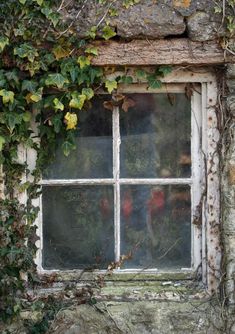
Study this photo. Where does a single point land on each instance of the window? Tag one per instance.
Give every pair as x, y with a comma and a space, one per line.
135, 185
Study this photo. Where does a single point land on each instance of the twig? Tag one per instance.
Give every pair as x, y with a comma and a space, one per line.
230, 51
105, 14
223, 12
61, 5
78, 13
169, 249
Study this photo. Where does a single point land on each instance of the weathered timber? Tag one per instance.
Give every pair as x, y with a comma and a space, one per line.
159, 52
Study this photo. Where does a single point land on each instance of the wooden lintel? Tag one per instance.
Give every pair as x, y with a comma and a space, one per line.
161, 52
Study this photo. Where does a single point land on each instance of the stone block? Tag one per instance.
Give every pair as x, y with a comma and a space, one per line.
144, 317
231, 71
231, 174
201, 27
231, 104
231, 85
148, 19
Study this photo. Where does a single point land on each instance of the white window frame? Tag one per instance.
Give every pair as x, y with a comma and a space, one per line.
206, 252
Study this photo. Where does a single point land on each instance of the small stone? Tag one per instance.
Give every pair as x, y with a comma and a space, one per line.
231, 104
231, 71
231, 85
167, 283
201, 27
177, 284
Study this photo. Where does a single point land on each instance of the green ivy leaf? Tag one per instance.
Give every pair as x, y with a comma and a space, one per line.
7, 96
95, 73
51, 15
4, 41
92, 50
140, 74
22, 1
39, 2
58, 105
67, 147
88, 92
26, 51
12, 119
108, 32
69, 66
13, 78
92, 32
57, 123
128, 3
26, 116
77, 101
83, 61
164, 70
113, 12
29, 85
2, 142
111, 85
2, 79
126, 79
154, 82
57, 80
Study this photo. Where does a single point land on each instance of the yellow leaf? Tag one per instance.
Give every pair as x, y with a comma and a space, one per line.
61, 52
84, 61
77, 101
71, 120
34, 97
111, 85
7, 96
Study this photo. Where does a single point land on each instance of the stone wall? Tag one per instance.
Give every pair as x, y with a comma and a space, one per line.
151, 19
228, 185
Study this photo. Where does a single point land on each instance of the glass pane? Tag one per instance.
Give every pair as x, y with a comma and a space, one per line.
77, 227
156, 226
93, 155
155, 136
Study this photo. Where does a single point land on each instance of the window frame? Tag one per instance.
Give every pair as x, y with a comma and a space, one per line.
205, 186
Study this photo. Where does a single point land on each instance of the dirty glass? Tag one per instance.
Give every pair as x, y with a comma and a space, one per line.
156, 226
92, 157
155, 136
78, 227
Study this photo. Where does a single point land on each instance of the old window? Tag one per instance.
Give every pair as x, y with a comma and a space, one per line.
135, 185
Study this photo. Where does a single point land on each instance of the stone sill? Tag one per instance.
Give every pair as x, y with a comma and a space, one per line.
171, 290
116, 275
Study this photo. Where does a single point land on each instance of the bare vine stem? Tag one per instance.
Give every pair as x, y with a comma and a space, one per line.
77, 15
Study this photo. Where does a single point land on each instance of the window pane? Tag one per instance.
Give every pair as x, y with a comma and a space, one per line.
78, 227
93, 155
156, 226
155, 136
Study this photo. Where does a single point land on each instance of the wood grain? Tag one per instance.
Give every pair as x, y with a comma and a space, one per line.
161, 52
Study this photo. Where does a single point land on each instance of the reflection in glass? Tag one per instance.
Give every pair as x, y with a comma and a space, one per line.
78, 228
92, 157
156, 226
155, 136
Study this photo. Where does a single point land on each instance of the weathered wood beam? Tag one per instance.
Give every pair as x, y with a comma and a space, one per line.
161, 52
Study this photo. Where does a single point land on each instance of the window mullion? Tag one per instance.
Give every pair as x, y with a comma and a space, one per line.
116, 176
197, 164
